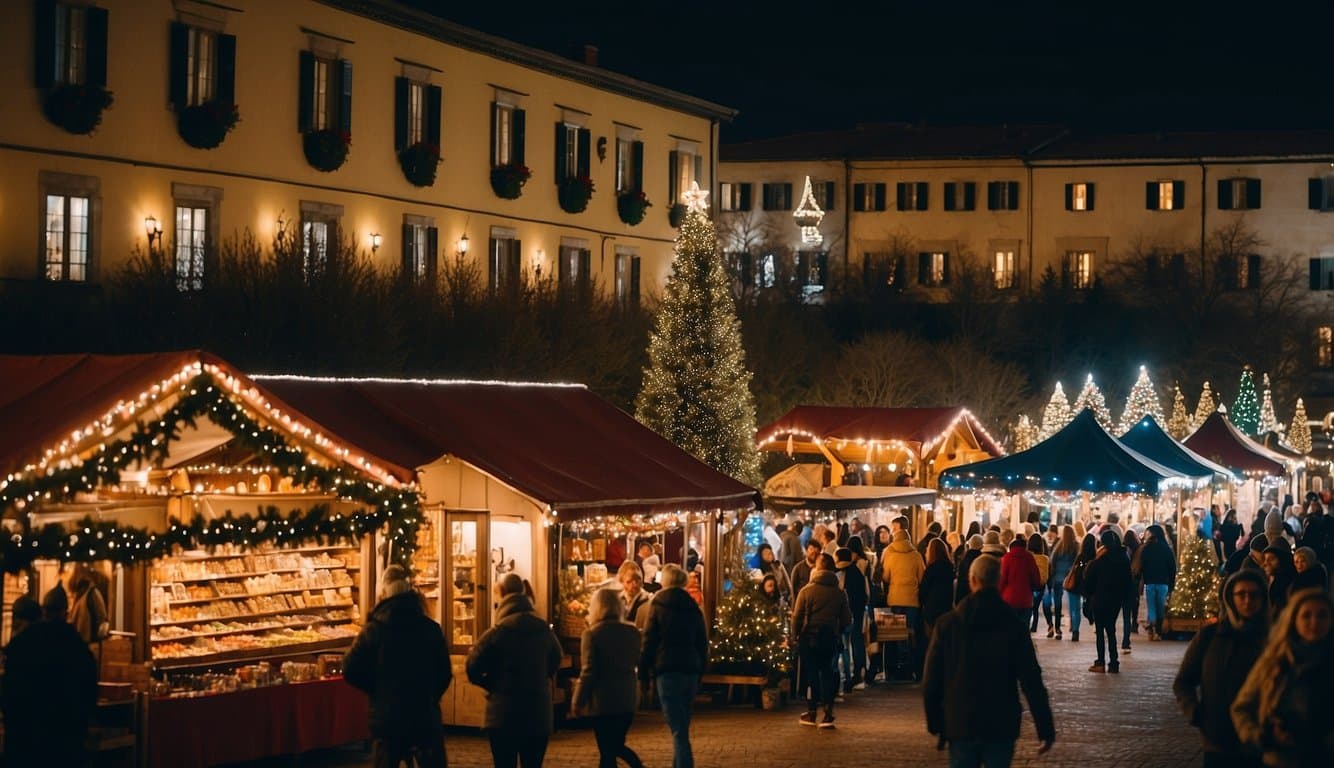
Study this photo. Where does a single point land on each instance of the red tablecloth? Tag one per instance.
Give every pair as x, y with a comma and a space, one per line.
247, 725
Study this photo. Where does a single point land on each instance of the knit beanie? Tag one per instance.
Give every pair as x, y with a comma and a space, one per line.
975, 541
1274, 524
394, 581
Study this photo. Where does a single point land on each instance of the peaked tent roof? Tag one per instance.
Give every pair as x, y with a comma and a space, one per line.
1080, 457
557, 443
910, 425
1222, 442
1149, 439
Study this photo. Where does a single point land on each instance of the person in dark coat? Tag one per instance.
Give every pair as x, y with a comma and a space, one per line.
675, 654
1278, 566
1229, 533
1216, 664
50, 689
1106, 581
979, 659
792, 548
1310, 573
935, 592
515, 662
607, 689
401, 661
802, 572
1158, 570
850, 561
819, 618
972, 550
1249, 557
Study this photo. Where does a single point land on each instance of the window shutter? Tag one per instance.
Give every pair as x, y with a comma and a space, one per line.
585, 266
993, 195
745, 197
226, 91
95, 54
305, 101
1069, 197
517, 135
637, 165
401, 86
433, 99
1012, 195
922, 189
900, 196
880, 197
1227, 272
634, 280
44, 44
1253, 193
1088, 194
583, 155
1315, 270
1067, 275
858, 197
495, 135
514, 263
345, 96
409, 240
969, 196
1315, 195
1151, 195
945, 270
923, 268
699, 168
787, 196
1224, 194
1178, 195
950, 190
180, 52
1253, 271
829, 195
673, 167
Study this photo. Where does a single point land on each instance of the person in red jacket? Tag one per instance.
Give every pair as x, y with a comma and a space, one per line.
1019, 579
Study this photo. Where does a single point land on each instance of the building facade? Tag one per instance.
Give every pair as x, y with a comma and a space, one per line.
413, 139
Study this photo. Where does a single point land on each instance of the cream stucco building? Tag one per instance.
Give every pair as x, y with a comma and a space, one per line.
305, 76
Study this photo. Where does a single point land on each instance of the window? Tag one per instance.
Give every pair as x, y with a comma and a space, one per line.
1165, 195
1322, 274
911, 195
71, 45
504, 260
824, 195
1320, 193
319, 236
881, 268
1002, 269
70, 208
1324, 347
742, 265
572, 151
627, 277
507, 134
416, 113
1078, 270
325, 100
777, 196
812, 269
1167, 270
686, 165
933, 268
629, 165
960, 196
421, 242
1240, 272
1238, 194
196, 222
1079, 196
868, 197
733, 196
574, 265
1002, 195
203, 66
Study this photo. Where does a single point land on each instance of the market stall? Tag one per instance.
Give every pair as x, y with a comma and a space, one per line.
797, 491
1263, 474
1149, 439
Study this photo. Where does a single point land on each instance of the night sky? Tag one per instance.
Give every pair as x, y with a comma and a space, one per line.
1106, 65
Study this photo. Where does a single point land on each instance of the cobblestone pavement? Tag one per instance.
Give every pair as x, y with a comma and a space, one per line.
1128, 721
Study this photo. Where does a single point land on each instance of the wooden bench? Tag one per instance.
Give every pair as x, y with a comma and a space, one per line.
731, 681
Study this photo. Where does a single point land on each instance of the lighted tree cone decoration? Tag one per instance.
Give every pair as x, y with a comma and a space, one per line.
808, 216
1268, 420
1195, 595
1299, 434
696, 388
749, 633
1204, 408
1025, 434
1056, 415
1142, 401
1178, 424
1245, 413
1092, 398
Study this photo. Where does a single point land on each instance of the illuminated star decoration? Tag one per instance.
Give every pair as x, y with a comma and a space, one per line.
696, 199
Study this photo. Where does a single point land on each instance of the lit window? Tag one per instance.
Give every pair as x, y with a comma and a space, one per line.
768, 271
504, 138
416, 112
505, 267
1079, 269
191, 242
201, 67
1324, 346
1079, 200
1003, 269
71, 44
936, 268
67, 237
571, 149
1165, 196
627, 278
314, 245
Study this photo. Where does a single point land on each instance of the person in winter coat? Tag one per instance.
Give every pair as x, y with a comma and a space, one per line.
979, 659
1158, 570
1318, 533
1229, 533
901, 570
802, 573
400, 660
1019, 579
1310, 573
933, 531
515, 662
819, 618
792, 546
883, 538
1252, 556
1216, 664
770, 565
1130, 608
606, 690
676, 651
1285, 706
1062, 558
1106, 580
971, 551
936, 591
974, 528
1037, 547
634, 598
88, 609
1278, 567
851, 565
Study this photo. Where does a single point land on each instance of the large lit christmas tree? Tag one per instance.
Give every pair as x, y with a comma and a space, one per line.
696, 389
1195, 595
1091, 397
1057, 414
1245, 412
749, 633
1025, 434
1178, 424
1205, 408
1143, 400
1268, 421
1299, 434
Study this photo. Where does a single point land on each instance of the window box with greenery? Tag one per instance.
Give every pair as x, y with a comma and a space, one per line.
324, 110
632, 205
326, 150
419, 162
676, 214
507, 180
417, 129
574, 176
71, 65
203, 85
574, 193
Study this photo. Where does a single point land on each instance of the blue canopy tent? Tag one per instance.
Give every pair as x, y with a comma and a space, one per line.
1149, 439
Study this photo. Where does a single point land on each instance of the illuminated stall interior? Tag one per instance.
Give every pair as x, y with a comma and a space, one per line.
1260, 474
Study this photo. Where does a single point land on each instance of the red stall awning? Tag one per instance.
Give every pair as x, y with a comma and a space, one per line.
923, 426
1219, 441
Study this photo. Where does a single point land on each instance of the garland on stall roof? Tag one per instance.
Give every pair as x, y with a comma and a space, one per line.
399, 508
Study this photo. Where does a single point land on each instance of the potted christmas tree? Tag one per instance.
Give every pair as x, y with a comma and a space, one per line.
1194, 600
749, 634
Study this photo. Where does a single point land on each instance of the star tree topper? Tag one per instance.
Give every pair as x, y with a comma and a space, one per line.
696, 199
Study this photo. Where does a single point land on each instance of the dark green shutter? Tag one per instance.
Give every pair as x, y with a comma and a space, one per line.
179, 76
745, 197
1253, 271
401, 87
1069, 197
584, 154
44, 43
1178, 195
993, 195
409, 237
345, 96
970, 195
673, 167
945, 270
787, 196
1315, 194
699, 169
829, 195
950, 189
494, 159
226, 91
562, 136
1224, 194
1012, 195
517, 135
923, 268
1088, 195
880, 197
433, 102
95, 54
634, 280
858, 197
1151, 195
637, 165
432, 252
922, 191
1315, 271
900, 196
305, 100
1253, 194
585, 267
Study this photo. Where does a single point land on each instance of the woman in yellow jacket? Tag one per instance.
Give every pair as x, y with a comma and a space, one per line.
901, 570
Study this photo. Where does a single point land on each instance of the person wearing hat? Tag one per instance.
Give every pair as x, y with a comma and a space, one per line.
1248, 557
1106, 581
1310, 572
991, 544
401, 662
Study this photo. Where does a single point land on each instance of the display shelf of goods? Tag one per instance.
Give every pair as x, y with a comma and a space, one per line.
326, 150
76, 108
419, 162
574, 192
632, 205
507, 180
676, 214
219, 609
204, 126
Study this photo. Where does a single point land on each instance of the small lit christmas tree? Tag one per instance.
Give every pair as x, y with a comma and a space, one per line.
1195, 595
1143, 400
749, 633
1205, 408
1057, 414
1268, 421
1299, 434
696, 389
1091, 397
1245, 412
1025, 434
1178, 424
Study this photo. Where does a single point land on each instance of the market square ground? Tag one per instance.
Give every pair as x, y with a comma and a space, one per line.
1128, 721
